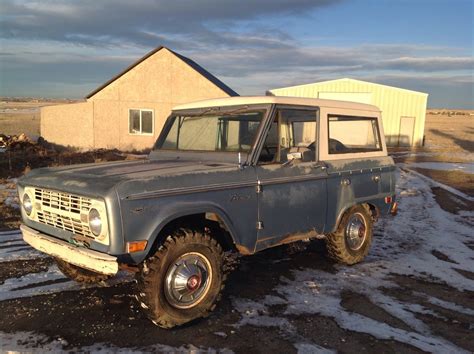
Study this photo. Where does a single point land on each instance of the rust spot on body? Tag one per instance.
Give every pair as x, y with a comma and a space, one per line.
244, 250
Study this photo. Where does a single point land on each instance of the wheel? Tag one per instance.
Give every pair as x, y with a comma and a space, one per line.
79, 274
351, 241
183, 280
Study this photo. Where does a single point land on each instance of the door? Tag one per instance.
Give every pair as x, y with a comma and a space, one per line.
407, 129
292, 184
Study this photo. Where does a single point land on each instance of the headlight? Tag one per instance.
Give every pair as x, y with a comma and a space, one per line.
27, 204
95, 223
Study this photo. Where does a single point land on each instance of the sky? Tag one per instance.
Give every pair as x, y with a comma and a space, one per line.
67, 48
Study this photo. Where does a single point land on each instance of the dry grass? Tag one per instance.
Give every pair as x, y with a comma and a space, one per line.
448, 134
448, 138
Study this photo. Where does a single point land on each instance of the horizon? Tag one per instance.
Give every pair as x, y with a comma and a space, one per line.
63, 50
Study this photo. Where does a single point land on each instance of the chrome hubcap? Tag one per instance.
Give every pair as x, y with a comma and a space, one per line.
188, 280
356, 232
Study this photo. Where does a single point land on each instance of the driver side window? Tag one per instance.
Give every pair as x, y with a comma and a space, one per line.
292, 131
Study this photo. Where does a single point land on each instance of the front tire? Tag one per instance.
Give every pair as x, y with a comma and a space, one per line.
183, 280
79, 274
353, 237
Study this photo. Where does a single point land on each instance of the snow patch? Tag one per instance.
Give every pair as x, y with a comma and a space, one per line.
13, 247
29, 342
443, 166
403, 248
306, 348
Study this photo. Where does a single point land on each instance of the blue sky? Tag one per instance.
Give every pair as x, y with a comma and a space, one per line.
66, 48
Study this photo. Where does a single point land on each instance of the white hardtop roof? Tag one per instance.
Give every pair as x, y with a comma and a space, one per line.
254, 100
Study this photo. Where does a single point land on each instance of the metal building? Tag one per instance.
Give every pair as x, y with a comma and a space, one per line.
403, 111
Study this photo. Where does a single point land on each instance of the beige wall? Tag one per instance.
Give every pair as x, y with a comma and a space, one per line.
158, 83
68, 125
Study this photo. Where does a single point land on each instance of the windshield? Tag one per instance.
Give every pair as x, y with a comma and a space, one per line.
225, 132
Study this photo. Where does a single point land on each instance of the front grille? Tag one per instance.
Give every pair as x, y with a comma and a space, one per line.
62, 201
64, 222
63, 211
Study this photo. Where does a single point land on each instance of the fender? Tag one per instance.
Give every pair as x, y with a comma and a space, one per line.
197, 209
180, 210
375, 202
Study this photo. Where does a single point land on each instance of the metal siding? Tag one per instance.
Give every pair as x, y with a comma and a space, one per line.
393, 102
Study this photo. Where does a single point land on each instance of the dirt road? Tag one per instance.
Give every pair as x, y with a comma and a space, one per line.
415, 292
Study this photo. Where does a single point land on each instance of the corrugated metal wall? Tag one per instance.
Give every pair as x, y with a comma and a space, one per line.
393, 102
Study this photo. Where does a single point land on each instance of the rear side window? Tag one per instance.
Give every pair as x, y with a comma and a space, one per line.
349, 134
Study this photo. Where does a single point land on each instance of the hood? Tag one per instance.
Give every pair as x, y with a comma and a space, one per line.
98, 179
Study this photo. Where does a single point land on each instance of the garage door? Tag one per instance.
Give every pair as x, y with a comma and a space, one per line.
360, 97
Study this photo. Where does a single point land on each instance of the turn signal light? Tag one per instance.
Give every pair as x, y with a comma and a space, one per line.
136, 246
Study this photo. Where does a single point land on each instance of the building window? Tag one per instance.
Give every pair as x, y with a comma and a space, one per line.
353, 134
140, 121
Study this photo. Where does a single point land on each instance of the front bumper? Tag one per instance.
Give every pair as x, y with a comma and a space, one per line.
81, 257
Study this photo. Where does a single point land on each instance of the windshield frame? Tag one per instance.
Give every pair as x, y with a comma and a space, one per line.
265, 108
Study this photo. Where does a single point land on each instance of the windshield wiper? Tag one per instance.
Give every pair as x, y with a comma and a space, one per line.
236, 110
207, 110
212, 109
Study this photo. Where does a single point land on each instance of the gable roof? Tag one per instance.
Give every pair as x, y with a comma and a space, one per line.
351, 80
188, 61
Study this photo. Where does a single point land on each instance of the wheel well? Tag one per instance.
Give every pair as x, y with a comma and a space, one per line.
374, 211
207, 222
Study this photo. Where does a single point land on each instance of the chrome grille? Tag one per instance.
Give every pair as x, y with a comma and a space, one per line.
63, 211
64, 222
62, 201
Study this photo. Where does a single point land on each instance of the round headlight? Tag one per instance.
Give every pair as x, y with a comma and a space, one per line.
95, 223
27, 204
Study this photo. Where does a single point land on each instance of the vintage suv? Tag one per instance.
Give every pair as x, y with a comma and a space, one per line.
240, 173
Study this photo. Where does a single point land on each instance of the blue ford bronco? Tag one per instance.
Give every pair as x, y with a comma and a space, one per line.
236, 174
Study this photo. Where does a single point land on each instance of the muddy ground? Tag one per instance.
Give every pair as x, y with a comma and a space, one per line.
413, 293
281, 300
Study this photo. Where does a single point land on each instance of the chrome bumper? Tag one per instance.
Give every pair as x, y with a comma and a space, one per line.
81, 257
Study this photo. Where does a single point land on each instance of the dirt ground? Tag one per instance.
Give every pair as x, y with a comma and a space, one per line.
448, 139
414, 293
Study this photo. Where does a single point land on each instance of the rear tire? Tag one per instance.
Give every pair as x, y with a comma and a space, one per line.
79, 274
183, 280
353, 237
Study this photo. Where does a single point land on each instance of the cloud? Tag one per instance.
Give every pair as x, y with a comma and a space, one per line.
141, 22
317, 60
46, 43
428, 63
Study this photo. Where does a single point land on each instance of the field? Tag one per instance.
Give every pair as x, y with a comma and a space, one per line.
23, 115
412, 294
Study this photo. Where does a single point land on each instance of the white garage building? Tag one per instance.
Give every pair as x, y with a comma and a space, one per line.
403, 111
